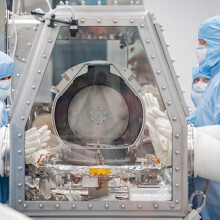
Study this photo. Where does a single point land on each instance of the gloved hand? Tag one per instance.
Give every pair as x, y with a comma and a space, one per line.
160, 129
157, 118
35, 140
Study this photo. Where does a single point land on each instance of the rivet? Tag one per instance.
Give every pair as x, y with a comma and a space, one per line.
82, 20
44, 56
90, 206
177, 135
177, 168
49, 41
106, 206
155, 206
19, 168
74, 206
22, 118
38, 71
115, 20
41, 206
18, 75
142, 25
168, 103
174, 118
29, 44
25, 205
164, 87
19, 184
177, 201
172, 206
19, 201
153, 56
33, 87
122, 206
19, 135
148, 41
28, 103
132, 20
177, 185
57, 206
139, 206
99, 20
158, 72
19, 151
177, 152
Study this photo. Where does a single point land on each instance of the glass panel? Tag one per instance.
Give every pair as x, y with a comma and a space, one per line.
100, 147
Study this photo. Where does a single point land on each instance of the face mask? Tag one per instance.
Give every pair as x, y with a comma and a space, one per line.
201, 53
198, 90
5, 86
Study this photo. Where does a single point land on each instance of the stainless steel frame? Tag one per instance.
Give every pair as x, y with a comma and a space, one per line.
172, 97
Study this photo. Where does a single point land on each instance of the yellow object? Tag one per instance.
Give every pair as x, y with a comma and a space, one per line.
100, 171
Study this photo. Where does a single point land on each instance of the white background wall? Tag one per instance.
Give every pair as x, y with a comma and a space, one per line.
181, 20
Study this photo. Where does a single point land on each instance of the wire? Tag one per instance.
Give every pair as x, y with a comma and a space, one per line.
49, 5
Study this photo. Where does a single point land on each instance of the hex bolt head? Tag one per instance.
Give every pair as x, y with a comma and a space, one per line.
19, 168
177, 152
174, 118
177, 135
158, 72
177, 168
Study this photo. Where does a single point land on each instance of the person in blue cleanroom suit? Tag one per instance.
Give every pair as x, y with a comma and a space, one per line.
6, 70
208, 108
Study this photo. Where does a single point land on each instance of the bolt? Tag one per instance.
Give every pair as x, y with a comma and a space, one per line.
148, 41
19, 184
90, 206
122, 206
177, 152
74, 206
99, 20
132, 20
41, 206
19, 168
155, 206
172, 206
106, 206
